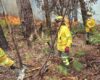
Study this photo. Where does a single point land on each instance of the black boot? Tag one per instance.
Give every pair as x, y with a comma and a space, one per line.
12, 67
88, 42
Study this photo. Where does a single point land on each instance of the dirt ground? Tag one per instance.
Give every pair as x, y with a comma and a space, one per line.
36, 56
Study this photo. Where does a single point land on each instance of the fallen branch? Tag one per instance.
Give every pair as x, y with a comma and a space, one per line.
33, 70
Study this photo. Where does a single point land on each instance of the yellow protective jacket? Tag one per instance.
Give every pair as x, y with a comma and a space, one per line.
4, 60
64, 38
90, 23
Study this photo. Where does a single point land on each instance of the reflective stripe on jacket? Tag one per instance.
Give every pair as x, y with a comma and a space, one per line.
64, 38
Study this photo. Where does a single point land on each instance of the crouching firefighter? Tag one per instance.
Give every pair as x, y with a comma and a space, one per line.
64, 40
89, 26
5, 60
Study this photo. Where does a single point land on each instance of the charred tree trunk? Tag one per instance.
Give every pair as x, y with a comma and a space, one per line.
75, 10
47, 14
26, 15
3, 41
48, 20
83, 10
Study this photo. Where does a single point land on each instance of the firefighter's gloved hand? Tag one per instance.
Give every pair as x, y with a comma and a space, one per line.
67, 50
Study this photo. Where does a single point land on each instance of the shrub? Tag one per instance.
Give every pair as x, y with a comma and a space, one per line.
80, 53
62, 69
95, 38
78, 66
3, 22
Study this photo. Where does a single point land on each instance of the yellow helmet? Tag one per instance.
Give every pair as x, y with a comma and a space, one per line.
59, 18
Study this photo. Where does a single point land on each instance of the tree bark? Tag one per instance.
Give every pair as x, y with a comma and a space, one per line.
83, 10
3, 41
75, 10
48, 21
26, 16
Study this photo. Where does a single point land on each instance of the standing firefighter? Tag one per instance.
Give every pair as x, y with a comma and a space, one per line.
89, 26
64, 40
5, 60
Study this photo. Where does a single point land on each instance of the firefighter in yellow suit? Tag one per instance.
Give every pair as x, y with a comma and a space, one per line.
64, 39
5, 60
90, 24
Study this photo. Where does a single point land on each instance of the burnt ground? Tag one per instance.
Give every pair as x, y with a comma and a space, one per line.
35, 57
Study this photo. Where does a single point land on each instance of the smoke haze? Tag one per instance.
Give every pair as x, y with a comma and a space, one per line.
10, 7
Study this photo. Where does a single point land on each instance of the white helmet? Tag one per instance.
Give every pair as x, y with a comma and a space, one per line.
89, 13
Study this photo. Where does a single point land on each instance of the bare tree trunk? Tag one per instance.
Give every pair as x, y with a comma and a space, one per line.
47, 14
3, 41
26, 15
48, 20
75, 10
83, 10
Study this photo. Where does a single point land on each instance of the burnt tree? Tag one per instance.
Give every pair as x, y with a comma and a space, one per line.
3, 41
26, 16
48, 20
83, 10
